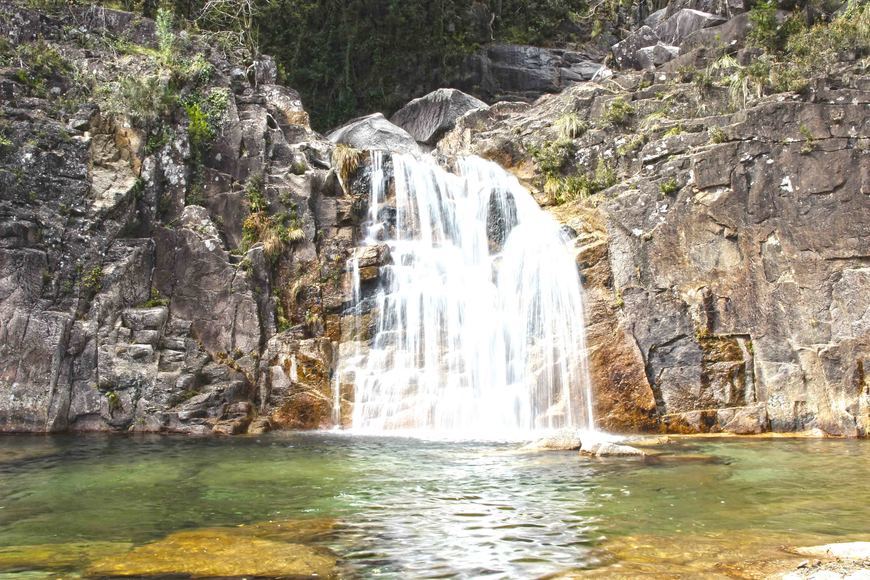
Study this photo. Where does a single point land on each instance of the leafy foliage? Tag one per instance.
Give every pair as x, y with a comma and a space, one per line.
348, 57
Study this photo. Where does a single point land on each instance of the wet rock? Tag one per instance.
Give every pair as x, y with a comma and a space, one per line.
561, 441
259, 426
427, 118
841, 551
607, 449
375, 132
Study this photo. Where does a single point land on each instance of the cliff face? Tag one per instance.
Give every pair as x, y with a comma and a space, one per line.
164, 260
173, 251
724, 248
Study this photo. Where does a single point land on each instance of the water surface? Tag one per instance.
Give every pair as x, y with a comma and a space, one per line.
410, 508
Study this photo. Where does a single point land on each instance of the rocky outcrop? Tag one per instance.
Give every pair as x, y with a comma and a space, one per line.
427, 118
723, 252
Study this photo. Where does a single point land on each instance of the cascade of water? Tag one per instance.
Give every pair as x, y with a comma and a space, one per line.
480, 323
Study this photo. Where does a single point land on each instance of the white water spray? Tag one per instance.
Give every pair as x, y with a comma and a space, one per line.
480, 323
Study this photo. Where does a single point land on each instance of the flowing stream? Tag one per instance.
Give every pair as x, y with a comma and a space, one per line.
480, 322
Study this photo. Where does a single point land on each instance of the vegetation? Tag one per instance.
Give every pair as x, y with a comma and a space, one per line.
669, 187
346, 160
155, 299
807, 136
632, 145
348, 57
717, 135
571, 126
93, 280
273, 231
793, 51
618, 112
564, 189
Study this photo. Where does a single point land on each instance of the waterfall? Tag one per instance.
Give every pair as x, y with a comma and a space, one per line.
480, 322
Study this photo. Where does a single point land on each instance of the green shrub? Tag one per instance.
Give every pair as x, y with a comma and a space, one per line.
254, 192
155, 299
198, 128
571, 126
165, 35
553, 156
673, 131
632, 145
143, 98
93, 280
807, 135
717, 135
669, 187
618, 112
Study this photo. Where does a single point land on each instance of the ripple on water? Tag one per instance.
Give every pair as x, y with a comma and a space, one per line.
407, 508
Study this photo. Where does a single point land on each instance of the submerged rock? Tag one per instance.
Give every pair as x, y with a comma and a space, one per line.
54, 556
217, 552
430, 116
607, 449
375, 132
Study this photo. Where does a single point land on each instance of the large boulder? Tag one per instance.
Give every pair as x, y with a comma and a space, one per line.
430, 116
676, 28
625, 51
651, 57
375, 132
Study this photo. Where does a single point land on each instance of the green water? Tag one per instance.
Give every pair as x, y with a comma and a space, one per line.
409, 508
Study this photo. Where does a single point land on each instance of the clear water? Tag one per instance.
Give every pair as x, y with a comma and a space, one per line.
480, 322
407, 508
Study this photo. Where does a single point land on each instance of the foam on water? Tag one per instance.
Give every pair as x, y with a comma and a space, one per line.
480, 320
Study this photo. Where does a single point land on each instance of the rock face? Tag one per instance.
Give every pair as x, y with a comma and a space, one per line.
515, 72
726, 269
375, 132
426, 119
660, 39
151, 281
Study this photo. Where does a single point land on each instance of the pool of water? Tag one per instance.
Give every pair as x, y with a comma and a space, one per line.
407, 508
